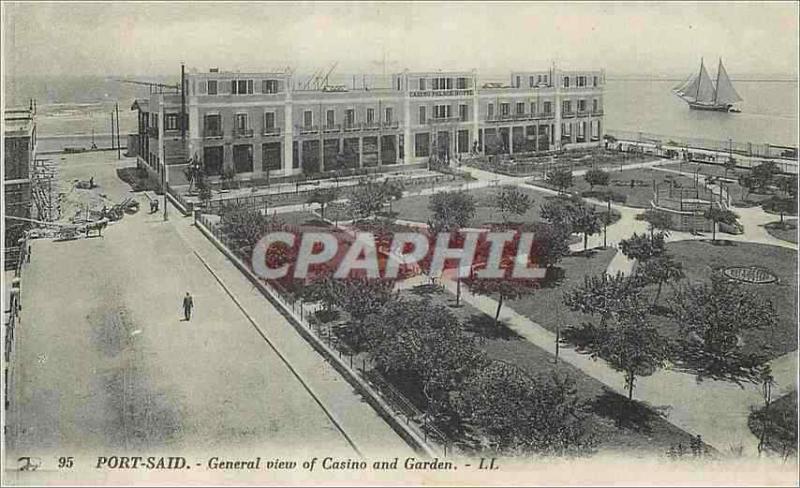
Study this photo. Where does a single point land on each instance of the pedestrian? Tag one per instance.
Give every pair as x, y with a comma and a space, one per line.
188, 304
28, 256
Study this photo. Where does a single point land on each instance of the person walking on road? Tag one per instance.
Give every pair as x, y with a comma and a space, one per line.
188, 304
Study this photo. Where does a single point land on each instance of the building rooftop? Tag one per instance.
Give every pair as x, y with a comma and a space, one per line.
18, 122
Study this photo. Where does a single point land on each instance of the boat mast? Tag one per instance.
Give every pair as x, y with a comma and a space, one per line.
699, 78
716, 86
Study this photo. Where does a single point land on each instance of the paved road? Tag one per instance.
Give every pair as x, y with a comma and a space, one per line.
105, 362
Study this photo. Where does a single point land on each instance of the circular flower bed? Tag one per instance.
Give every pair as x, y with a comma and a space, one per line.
750, 274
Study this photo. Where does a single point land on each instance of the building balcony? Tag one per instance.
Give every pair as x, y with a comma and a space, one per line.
332, 128
308, 129
271, 131
444, 120
567, 114
519, 117
442, 93
212, 134
597, 112
391, 124
243, 133
371, 125
352, 127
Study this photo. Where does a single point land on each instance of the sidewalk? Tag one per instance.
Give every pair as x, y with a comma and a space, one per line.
369, 432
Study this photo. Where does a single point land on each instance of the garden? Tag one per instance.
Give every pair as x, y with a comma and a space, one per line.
487, 208
449, 365
785, 231
630, 187
532, 164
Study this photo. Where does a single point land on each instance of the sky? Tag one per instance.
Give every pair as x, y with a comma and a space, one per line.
148, 39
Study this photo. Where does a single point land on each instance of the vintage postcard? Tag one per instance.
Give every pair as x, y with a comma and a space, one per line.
400, 243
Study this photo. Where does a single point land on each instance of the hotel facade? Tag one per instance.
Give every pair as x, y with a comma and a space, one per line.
253, 124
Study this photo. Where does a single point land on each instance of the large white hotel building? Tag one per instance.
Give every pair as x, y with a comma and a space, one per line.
254, 123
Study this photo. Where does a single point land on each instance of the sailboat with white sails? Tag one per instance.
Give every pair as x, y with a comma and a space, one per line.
703, 94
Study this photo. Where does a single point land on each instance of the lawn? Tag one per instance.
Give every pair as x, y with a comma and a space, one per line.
636, 185
730, 181
545, 306
785, 232
643, 431
702, 258
783, 413
416, 207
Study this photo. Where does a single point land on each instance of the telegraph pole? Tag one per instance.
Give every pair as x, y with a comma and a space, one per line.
112, 130
119, 155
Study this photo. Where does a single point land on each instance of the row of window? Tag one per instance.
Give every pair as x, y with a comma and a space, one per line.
238, 87
534, 81
213, 122
580, 81
442, 83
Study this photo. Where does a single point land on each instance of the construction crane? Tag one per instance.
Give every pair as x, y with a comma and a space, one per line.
324, 82
151, 85
319, 80
312, 79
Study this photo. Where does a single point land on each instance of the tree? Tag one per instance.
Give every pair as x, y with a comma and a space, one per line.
557, 211
451, 212
719, 215
551, 243
511, 200
712, 319
521, 414
394, 191
596, 176
322, 197
560, 178
360, 298
781, 206
203, 188
643, 247
658, 221
730, 165
502, 289
323, 288
774, 425
584, 220
764, 174
417, 340
788, 185
244, 226
604, 295
367, 199
494, 145
748, 183
660, 270
633, 346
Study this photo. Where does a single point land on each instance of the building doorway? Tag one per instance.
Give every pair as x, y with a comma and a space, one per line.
243, 158
443, 145
212, 160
